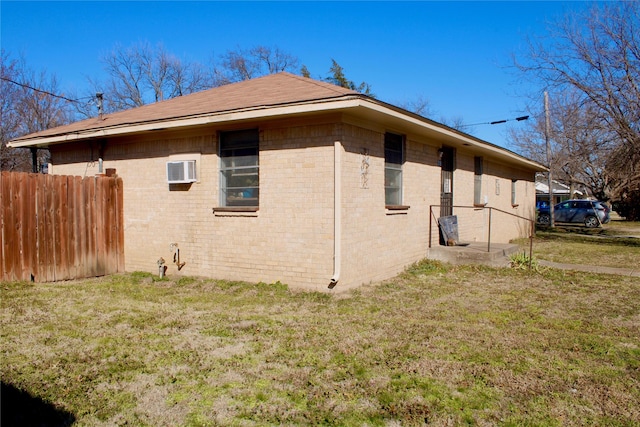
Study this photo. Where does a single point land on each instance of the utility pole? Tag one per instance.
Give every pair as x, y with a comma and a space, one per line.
547, 131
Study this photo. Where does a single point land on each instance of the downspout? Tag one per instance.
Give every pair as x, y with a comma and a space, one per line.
337, 213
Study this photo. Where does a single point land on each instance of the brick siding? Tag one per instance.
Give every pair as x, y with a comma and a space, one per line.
291, 237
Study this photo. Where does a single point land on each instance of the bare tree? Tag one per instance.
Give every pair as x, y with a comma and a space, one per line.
419, 105
9, 94
125, 88
244, 64
457, 122
30, 102
186, 78
584, 154
141, 74
597, 55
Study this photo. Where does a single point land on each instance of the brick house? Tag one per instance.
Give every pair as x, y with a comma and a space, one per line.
285, 178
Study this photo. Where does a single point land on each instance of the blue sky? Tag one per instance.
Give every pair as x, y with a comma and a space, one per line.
455, 54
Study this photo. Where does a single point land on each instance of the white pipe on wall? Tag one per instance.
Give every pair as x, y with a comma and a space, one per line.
337, 213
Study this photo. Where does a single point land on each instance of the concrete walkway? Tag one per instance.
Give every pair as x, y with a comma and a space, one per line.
633, 272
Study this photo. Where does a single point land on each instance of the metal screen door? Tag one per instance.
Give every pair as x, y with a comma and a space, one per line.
446, 187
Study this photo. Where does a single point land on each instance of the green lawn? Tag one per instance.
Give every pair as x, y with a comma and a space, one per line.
438, 345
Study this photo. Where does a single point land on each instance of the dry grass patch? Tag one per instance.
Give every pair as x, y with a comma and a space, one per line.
614, 245
605, 254
438, 345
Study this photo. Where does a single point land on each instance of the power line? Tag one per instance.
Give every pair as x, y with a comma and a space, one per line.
26, 86
519, 119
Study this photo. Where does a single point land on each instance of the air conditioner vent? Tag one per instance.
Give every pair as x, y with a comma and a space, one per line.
181, 172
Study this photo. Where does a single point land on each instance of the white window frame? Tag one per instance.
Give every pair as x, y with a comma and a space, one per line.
393, 168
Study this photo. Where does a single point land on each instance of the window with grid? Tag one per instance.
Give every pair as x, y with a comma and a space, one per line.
239, 178
393, 160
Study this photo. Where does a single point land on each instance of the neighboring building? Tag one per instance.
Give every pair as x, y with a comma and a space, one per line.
561, 192
285, 178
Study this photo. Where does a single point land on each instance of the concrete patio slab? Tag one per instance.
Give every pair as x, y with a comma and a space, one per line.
474, 253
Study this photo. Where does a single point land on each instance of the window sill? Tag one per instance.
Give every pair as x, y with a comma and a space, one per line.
479, 205
236, 211
396, 209
514, 205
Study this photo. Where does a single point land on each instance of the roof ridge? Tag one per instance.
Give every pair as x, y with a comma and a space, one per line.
320, 83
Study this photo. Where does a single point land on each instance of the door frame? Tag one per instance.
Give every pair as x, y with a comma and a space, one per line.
447, 163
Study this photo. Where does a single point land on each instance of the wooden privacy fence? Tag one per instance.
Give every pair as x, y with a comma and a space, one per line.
57, 227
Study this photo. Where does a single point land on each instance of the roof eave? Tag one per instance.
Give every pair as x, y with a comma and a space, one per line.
345, 103
453, 136
189, 121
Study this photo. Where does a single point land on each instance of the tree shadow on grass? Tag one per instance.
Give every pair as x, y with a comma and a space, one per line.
20, 408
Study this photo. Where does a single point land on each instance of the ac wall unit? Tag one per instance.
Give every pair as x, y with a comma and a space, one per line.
181, 172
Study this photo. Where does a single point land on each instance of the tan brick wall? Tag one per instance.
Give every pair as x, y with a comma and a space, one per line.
378, 243
291, 238
473, 224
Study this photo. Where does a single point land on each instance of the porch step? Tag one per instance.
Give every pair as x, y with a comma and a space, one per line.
474, 253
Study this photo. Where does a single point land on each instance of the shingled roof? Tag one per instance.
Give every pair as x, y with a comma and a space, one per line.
275, 95
263, 92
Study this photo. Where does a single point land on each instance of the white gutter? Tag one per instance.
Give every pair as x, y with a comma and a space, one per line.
337, 213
